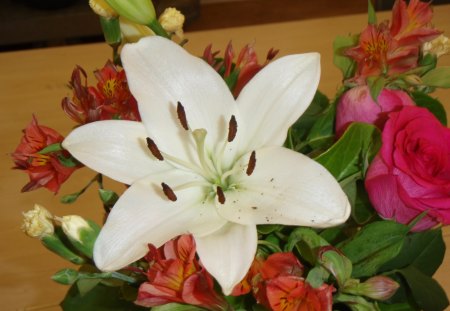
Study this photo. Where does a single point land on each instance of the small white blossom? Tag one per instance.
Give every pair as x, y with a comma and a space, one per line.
438, 46
37, 222
172, 21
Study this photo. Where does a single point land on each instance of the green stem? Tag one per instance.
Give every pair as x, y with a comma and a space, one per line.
158, 29
51, 148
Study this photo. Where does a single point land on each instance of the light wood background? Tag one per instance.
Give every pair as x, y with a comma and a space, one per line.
34, 82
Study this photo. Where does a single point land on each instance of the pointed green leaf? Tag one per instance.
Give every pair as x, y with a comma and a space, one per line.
428, 294
376, 85
438, 77
432, 104
371, 13
65, 276
347, 156
306, 241
344, 63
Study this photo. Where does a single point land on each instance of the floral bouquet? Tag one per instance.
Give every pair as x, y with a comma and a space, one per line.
349, 218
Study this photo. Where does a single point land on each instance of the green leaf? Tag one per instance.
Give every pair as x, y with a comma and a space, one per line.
100, 298
69, 198
65, 276
51, 148
371, 13
317, 276
108, 197
306, 241
321, 135
427, 293
373, 246
348, 155
231, 80
432, 104
423, 250
394, 307
344, 63
266, 229
376, 85
86, 285
438, 77
67, 162
177, 307
362, 211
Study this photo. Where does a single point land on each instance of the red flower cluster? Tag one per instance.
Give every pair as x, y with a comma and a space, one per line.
47, 169
390, 49
277, 283
238, 74
175, 275
109, 99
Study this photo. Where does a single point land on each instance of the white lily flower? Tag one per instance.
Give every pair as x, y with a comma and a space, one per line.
204, 163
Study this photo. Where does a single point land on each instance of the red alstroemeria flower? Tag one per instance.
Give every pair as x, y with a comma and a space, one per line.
243, 70
388, 50
110, 99
175, 275
291, 293
410, 23
45, 170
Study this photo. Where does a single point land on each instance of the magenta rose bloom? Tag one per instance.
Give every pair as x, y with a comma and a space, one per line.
357, 105
411, 173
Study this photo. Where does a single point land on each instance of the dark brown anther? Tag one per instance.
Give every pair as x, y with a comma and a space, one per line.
154, 149
220, 195
169, 192
182, 116
232, 129
251, 163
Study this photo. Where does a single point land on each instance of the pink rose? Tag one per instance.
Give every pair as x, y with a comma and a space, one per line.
356, 105
411, 173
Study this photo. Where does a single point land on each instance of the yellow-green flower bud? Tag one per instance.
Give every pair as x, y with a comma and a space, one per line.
132, 32
81, 233
138, 11
37, 222
172, 21
438, 46
100, 7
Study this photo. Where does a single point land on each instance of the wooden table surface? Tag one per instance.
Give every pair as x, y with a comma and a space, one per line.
34, 82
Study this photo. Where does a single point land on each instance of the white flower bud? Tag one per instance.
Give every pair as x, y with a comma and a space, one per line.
72, 226
172, 21
438, 46
38, 222
81, 233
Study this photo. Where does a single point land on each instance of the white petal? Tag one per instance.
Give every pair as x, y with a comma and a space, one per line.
286, 188
228, 253
161, 73
276, 97
117, 149
145, 215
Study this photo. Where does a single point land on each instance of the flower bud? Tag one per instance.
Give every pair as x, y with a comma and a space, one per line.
81, 233
336, 263
132, 32
172, 21
413, 80
378, 288
439, 46
137, 11
66, 276
100, 7
38, 222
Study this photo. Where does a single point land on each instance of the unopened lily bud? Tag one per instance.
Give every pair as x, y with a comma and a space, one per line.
81, 233
132, 32
413, 80
172, 21
137, 11
438, 46
378, 288
38, 222
356, 303
100, 7
336, 263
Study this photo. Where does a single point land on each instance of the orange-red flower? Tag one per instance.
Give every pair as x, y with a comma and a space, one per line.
385, 49
175, 275
45, 169
277, 283
109, 99
243, 70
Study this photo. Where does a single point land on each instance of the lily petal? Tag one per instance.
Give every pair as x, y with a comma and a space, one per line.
160, 73
145, 215
114, 148
228, 253
286, 188
276, 97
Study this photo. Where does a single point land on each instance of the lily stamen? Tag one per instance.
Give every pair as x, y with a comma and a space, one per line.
220, 195
232, 129
251, 163
169, 192
182, 116
154, 149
